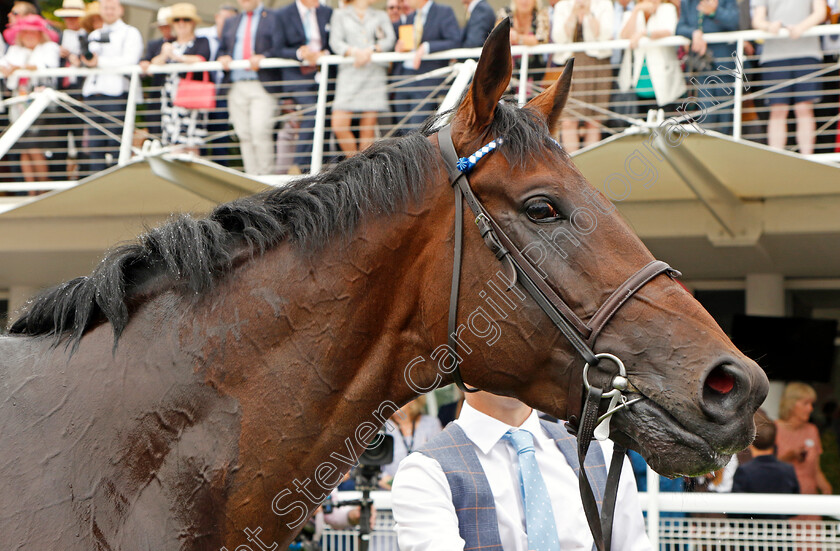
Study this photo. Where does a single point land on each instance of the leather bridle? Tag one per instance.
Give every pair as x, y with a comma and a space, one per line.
584, 403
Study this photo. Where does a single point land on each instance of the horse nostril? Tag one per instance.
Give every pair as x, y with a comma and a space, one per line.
724, 389
720, 381
731, 391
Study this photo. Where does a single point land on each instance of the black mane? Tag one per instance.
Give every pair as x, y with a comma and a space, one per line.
190, 254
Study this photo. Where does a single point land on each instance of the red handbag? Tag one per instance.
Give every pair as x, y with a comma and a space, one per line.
195, 94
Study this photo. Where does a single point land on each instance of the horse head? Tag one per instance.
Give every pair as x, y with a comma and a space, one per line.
693, 393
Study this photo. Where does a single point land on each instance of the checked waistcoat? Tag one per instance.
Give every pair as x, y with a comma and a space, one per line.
471, 493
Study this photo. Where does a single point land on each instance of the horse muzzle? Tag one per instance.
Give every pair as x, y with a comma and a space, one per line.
678, 437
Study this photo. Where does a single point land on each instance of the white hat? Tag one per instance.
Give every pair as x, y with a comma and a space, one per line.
71, 8
163, 16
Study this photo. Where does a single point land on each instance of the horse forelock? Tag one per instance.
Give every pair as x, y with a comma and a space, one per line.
191, 254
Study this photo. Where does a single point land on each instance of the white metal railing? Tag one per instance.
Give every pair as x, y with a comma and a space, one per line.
523, 87
732, 529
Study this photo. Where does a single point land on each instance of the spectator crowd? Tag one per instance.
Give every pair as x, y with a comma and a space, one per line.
271, 110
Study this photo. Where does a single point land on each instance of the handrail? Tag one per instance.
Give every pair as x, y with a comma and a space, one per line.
524, 85
704, 502
457, 53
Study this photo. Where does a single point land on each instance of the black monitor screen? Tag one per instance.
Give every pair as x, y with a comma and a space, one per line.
800, 349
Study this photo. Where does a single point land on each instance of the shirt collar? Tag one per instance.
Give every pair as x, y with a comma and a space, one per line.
486, 431
302, 10
113, 26
472, 6
425, 9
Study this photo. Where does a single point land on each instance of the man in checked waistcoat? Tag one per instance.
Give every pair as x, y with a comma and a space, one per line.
499, 478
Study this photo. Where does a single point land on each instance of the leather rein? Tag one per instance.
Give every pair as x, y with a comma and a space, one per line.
584, 402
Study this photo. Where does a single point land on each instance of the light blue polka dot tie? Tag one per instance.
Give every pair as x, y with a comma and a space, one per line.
539, 516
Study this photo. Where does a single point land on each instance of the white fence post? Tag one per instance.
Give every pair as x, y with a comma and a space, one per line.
320, 120
737, 111
130, 111
653, 507
523, 80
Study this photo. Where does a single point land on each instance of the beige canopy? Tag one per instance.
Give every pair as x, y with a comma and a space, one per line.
718, 207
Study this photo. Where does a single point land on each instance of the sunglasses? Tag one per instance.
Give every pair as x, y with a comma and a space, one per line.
181, 20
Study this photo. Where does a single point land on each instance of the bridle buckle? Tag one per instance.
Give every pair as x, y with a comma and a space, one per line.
618, 400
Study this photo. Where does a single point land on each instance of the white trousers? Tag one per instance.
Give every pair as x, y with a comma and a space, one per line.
252, 111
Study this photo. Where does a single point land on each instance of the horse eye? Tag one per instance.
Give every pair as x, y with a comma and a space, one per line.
541, 210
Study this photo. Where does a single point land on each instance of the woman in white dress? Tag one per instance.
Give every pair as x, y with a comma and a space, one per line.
655, 71
32, 46
358, 31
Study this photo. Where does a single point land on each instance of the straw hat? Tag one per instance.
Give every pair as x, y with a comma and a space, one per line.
71, 8
183, 10
30, 22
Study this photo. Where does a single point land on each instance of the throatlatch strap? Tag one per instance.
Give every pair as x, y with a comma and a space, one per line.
600, 524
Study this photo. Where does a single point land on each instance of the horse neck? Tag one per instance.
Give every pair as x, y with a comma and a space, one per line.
321, 340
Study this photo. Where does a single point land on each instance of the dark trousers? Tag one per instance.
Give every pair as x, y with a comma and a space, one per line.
99, 143
219, 123
710, 93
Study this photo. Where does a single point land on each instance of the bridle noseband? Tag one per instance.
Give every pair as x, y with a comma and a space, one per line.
584, 403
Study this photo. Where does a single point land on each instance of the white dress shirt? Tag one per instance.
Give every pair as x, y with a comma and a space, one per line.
603, 12
426, 518
665, 71
125, 47
309, 18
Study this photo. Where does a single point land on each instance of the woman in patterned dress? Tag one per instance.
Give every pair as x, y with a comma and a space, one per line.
184, 127
530, 25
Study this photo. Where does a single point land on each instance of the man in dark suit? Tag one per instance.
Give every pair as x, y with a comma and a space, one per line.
435, 30
252, 35
304, 35
480, 21
765, 474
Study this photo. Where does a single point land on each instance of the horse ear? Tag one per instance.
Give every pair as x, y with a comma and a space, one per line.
491, 79
551, 101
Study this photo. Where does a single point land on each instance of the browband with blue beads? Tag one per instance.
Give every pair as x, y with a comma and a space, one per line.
466, 164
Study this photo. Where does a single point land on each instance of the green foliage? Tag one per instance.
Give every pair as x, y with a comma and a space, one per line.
48, 7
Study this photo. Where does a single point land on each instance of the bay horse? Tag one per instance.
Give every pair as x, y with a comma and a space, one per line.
205, 386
